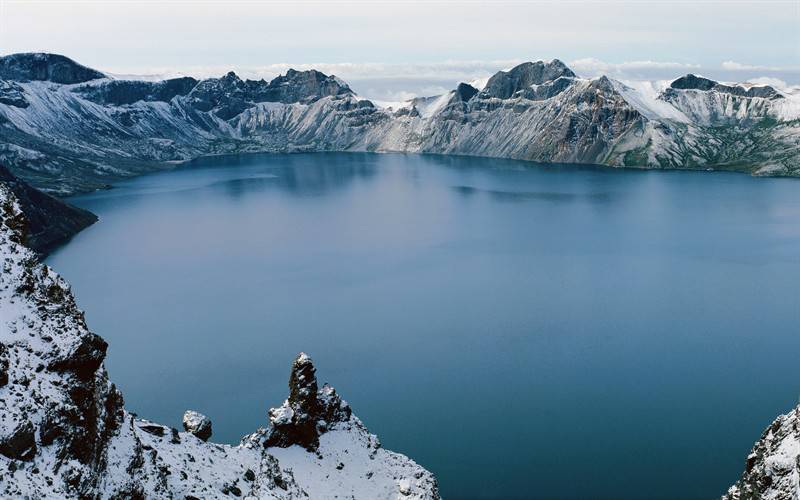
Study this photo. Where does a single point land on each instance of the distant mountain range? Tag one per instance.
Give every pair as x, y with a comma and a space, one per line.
66, 128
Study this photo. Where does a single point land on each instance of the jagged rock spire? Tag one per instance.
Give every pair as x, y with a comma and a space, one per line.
308, 412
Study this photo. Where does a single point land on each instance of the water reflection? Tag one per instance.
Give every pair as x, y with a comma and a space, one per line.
493, 319
549, 196
301, 175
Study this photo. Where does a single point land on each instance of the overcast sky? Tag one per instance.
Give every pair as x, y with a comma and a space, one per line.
391, 49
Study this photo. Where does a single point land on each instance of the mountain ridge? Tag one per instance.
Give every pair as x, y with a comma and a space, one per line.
69, 138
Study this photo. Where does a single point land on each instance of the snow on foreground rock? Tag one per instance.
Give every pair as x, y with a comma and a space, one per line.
772, 471
64, 432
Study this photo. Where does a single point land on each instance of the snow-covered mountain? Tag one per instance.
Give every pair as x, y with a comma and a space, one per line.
67, 128
65, 433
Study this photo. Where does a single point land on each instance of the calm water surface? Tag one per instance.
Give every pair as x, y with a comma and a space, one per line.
521, 331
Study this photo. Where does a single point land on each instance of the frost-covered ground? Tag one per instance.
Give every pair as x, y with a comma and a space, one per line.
64, 431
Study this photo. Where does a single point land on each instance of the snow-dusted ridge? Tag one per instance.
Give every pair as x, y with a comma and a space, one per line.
65, 433
66, 128
772, 470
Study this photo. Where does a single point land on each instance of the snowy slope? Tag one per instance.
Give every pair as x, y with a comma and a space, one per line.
87, 134
772, 470
64, 431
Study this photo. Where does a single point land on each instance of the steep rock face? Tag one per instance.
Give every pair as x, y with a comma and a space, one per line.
506, 84
308, 412
64, 432
67, 138
303, 86
772, 470
122, 92
46, 67
11, 94
50, 221
582, 122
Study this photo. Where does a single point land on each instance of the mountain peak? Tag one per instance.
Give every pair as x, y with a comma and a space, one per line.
464, 92
505, 84
693, 82
40, 66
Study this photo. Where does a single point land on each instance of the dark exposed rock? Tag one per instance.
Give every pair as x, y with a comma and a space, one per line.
763, 91
84, 359
197, 424
308, 412
299, 86
231, 489
546, 90
12, 94
121, 92
20, 444
229, 96
505, 84
50, 67
54, 426
464, 92
693, 82
3, 365
50, 221
154, 429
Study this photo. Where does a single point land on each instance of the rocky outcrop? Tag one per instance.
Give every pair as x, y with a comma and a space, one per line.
308, 412
692, 82
64, 431
45, 67
123, 92
197, 424
68, 138
50, 221
506, 84
772, 470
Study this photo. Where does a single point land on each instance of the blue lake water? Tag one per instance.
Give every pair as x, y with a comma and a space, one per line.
520, 330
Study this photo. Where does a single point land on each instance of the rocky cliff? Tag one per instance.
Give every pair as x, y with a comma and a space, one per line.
772, 470
66, 128
65, 433
50, 221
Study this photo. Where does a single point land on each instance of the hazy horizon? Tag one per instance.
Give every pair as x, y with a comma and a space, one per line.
397, 50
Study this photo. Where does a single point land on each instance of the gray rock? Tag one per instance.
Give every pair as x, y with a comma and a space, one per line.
20, 443
197, 424
505, 84
50, 67
309, 410
50, 221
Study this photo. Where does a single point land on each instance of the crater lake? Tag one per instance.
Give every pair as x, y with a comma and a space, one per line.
520, 330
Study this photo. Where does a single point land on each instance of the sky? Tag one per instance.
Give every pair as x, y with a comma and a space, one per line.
390, 50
